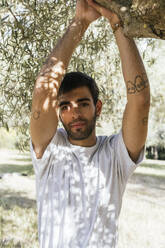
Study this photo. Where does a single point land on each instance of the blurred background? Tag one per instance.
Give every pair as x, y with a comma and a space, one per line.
28, 32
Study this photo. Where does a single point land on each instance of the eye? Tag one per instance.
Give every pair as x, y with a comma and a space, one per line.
84, 104
64, 108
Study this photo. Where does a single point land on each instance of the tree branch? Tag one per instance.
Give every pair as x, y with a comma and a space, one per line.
141, 18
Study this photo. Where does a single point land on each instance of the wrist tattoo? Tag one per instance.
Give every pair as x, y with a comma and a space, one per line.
140, 83
36, 115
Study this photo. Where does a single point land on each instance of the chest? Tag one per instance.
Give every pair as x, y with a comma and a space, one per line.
79, 193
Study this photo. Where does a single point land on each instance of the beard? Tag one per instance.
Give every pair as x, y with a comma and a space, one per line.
81, 133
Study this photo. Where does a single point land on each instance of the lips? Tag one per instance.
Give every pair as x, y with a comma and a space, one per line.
77, 125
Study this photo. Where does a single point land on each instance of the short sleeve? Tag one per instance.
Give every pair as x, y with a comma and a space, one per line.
126, 165
40, 165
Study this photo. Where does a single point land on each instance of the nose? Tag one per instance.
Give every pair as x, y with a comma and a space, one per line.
76, 112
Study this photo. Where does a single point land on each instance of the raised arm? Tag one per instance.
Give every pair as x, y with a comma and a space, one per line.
44, 119
135, 119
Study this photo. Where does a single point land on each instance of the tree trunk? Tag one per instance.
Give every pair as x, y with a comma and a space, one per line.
140, 18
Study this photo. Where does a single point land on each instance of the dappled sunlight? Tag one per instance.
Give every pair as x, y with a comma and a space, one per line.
143, 208
74, 200
57, 69
18, 216
48, 83
18, 223
146, 218
24, 184
46, 104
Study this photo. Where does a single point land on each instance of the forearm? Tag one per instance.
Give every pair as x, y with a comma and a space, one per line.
133, 69
55, 66
66, 46
44, 115
44, 118
135, 118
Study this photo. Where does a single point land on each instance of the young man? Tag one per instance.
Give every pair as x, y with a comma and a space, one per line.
81, 178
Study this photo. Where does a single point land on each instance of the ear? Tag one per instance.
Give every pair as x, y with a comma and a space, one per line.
98, 108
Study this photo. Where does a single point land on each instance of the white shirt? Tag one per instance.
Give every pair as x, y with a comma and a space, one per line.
80, 190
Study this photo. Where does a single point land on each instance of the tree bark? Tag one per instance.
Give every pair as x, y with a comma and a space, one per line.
140, 18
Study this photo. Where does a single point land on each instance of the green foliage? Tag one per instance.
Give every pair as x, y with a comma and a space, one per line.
28, 32
8, 139
156, 135
27, 28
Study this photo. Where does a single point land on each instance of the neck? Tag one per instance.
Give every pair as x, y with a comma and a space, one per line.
90, 141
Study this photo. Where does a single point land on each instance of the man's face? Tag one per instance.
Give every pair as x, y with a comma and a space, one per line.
78, 113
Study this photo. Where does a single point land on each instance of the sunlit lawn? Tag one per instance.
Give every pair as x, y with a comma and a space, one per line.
143, 216
142, 219
18, 217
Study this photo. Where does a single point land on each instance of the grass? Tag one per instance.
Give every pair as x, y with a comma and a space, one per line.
17, 162
142, 222
153, 166
18, 215
142, 217
18, 228
23, 169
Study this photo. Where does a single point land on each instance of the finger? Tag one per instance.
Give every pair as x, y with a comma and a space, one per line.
103, 11
95, 5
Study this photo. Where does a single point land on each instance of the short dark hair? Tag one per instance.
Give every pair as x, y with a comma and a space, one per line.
75, 80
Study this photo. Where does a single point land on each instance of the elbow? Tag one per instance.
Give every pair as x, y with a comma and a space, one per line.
39, 151
46, 87
140, 101
144, 102
143, 99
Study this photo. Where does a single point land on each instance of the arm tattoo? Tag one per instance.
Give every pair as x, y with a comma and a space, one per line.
145, 121
36, 115
140, 83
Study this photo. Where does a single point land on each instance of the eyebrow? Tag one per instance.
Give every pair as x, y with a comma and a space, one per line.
83, 99
79, 100
63, 103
